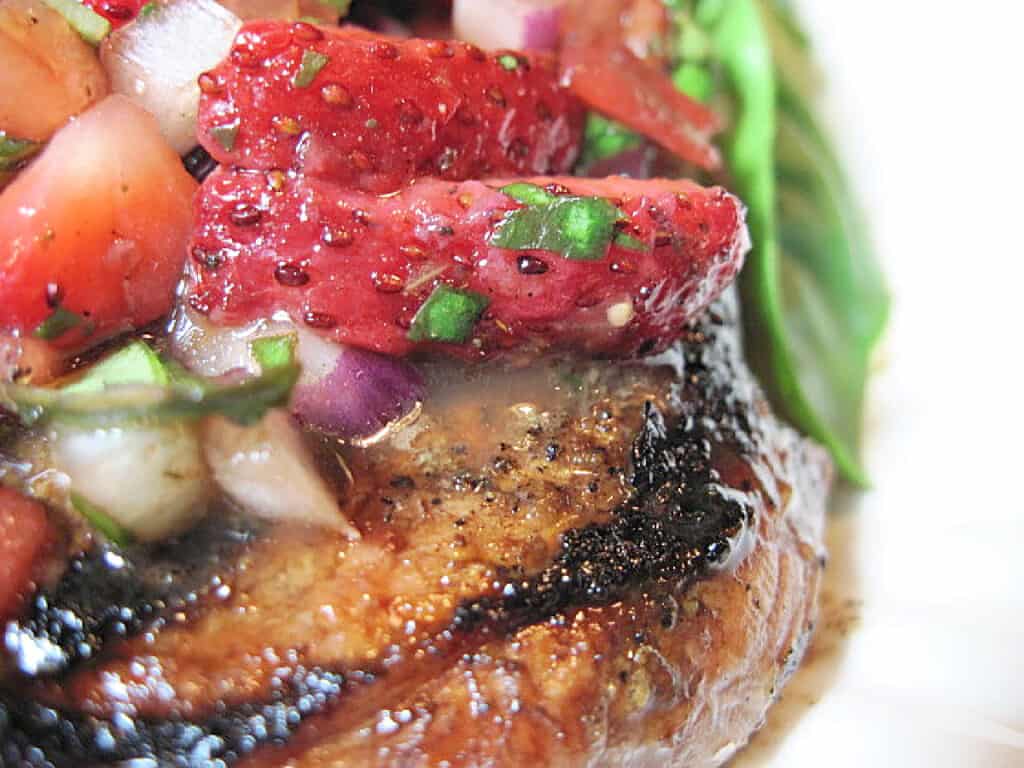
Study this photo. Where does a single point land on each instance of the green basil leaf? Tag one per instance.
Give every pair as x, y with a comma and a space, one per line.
815, 301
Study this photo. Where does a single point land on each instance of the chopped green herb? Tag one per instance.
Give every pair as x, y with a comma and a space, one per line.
579, 228
509, 61
605, 138
448, 316
226, 134
185, 397
695, 80
100, 520
84, 20
528, 194
148, 9
135, 364
58, 323
15, 152
624, 240
274, 351
312, 63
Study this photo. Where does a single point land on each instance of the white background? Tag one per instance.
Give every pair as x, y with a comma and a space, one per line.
926, 98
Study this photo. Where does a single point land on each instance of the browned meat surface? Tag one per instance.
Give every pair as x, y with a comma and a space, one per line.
586, 565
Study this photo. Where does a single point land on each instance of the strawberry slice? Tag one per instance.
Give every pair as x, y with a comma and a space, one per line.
25, 534
372, 112
613, 267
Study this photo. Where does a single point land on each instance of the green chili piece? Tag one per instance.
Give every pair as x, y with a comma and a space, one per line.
58, 323
624, 240
312, 63
509, 62
448, 316
135, 364
528, 194
579, 228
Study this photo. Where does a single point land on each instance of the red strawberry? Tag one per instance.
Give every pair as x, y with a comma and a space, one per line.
373, 112
467, 263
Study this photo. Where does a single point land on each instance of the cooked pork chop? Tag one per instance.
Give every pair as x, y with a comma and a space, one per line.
585, 563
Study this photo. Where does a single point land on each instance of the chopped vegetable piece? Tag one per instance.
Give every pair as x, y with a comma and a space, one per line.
312, 63
15, 152
101, 219
274, 351
185, 398
579, 228
148, 9
439, 108
529, 194
448, 316
100, 520
85, 21
356, 267
47, 72
135, 364
605, 138
57, 324
628, 241
509, 61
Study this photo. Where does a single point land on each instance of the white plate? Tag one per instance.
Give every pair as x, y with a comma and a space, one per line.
919, 663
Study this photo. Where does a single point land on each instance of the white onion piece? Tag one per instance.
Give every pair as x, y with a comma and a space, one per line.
268, 471
518, 24
157, 59
348, 392
152, 481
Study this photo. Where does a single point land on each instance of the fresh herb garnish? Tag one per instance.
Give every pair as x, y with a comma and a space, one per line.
309, 68
509, 61
184, 396
814, 298
148, 9
100, 520
579, 228
625, 240
84, 20
14, 153
59, 322
448, 316
605, 138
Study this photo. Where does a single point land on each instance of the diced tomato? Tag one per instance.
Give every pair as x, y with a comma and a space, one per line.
47, 72
96, 226
358, 267
25, 535
601, 69
373, 112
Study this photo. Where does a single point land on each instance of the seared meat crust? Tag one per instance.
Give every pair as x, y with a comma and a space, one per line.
623, 575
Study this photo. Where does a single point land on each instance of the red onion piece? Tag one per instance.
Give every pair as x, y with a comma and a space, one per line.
515, 24
358, 394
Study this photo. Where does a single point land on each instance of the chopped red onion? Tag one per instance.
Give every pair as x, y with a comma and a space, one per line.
353, 393
516, 24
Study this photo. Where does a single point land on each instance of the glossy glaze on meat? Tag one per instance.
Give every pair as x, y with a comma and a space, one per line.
599, 565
